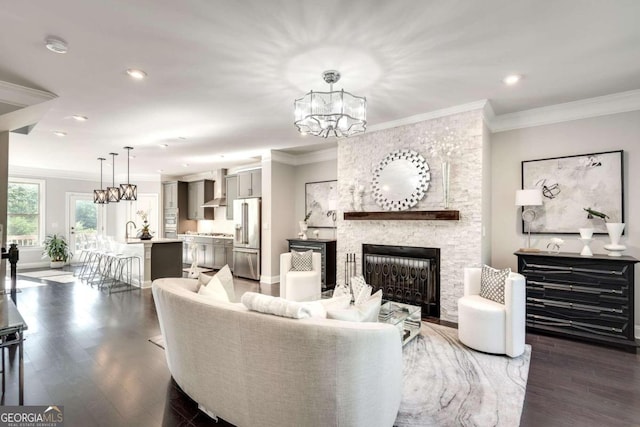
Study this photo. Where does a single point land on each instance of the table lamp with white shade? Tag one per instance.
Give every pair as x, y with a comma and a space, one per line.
531, 197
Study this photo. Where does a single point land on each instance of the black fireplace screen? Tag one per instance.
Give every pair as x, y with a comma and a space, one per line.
406, 274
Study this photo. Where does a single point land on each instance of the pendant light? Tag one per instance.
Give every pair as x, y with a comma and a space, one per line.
113, 192
100, 196
128, 191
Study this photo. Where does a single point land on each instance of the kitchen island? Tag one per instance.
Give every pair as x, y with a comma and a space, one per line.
160, 257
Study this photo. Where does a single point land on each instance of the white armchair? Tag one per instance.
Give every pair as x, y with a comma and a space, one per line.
489, 326
300, 285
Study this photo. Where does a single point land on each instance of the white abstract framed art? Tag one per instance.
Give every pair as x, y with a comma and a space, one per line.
570, 184
320, 198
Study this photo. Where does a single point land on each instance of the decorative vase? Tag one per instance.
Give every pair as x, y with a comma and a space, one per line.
145, 235
586, 233
615, 232
303, 229
446, 169
56, 264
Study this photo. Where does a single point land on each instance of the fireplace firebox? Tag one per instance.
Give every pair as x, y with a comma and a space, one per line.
406, 274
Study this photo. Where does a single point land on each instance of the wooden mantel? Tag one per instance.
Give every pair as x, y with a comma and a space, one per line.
443, 215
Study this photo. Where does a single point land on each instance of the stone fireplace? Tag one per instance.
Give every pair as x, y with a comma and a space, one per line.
406, 274
462, 243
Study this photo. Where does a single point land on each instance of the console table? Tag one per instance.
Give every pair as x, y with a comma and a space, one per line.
12, 327
327, 249
588, 298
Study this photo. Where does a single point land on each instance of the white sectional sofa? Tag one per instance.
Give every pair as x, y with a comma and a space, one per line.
255, 369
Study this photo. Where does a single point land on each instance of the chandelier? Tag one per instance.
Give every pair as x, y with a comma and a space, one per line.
333, 113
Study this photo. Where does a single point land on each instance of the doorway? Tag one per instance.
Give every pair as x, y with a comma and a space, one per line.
85, 220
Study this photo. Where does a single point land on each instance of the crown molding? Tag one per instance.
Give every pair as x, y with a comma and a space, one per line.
29, 172
592, 107
303, 158
280, 157
477, 105
21, 96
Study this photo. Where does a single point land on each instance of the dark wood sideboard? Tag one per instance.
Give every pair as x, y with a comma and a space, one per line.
587, 298
327, 249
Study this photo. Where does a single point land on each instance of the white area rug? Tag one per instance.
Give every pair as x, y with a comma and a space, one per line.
448, 384
45, 273
67, 278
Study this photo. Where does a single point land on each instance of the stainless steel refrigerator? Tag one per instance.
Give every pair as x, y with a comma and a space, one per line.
246, 238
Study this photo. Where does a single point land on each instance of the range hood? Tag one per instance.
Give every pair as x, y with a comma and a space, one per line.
220, 198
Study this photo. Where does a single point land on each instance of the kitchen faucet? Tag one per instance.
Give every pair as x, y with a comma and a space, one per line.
126, 229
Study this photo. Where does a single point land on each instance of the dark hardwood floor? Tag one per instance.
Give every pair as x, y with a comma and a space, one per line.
90, 352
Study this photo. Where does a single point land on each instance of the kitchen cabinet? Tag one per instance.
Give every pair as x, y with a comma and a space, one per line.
205, 254
219, 254
174, 195
587, 298
170, 195
199, 193
228, 249
232, 193
250, 183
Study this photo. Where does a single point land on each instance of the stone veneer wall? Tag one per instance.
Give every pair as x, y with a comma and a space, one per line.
460, 242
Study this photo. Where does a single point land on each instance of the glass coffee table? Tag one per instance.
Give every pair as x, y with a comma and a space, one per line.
407, 318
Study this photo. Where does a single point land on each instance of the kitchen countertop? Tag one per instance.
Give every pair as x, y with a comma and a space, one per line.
209, 236
152, 241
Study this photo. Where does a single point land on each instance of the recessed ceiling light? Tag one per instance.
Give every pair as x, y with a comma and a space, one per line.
136, 74
56, 44
182, 137
59, 133
164, 145
185, 165
80, 118
512, 79
160, 170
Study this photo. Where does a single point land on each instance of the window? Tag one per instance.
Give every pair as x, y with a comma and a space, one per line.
25, 211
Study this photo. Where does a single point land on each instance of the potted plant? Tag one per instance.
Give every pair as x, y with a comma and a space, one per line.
57, 249
144, 233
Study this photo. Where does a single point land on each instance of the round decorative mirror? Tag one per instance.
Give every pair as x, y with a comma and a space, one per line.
401, 180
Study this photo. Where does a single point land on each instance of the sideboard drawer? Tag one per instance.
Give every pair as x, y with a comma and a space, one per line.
589, 298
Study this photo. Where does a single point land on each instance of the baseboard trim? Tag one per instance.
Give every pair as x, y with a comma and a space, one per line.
637, 329
270, 280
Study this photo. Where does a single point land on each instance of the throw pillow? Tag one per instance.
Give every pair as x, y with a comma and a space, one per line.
282, 307
492, 283
337, 302
213, 289
357, 282
302, 261
341, 290
366, 312
364, 291
224, 277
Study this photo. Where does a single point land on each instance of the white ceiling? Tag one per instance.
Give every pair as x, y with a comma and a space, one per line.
223, 74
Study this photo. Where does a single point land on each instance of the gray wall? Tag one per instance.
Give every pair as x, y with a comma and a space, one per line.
312, 172
606, 133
